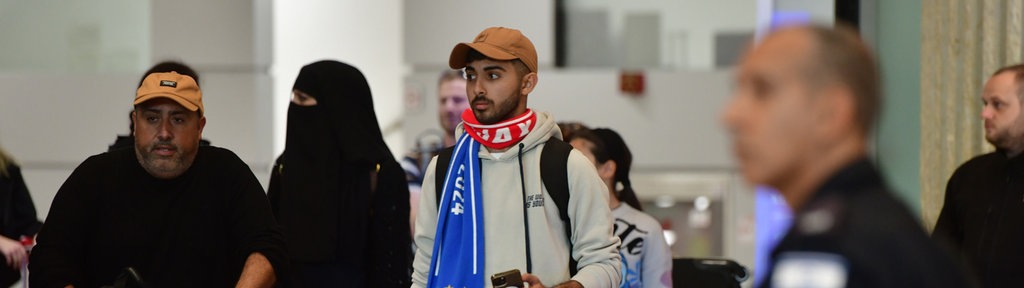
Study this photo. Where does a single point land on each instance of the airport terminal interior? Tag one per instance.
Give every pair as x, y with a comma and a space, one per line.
658, 72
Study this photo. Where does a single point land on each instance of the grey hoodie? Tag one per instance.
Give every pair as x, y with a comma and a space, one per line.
504, 237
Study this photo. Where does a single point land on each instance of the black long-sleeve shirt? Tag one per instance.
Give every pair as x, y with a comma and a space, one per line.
18, 212
17, 216
983, 218
192, 231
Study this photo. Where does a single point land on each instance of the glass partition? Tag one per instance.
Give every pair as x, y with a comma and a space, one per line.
653, 34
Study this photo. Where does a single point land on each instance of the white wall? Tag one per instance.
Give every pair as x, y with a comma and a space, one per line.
50, 128
60, 36
364, 34
432, 28
67, 69
212, 36
674, 125
688, 26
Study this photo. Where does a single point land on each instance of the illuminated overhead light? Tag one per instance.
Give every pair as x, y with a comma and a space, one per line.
701, 203
664, 201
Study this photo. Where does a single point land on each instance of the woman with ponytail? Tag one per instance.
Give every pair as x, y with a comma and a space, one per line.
646, 257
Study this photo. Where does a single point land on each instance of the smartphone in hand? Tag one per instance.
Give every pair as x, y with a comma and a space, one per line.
510, 278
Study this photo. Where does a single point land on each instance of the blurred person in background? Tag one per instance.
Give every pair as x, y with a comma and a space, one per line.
17, 219
646, 257
336, 189
805, 101
452, 101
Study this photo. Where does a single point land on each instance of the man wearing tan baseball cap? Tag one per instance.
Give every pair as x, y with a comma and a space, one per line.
171, 211
496, 212
180, 88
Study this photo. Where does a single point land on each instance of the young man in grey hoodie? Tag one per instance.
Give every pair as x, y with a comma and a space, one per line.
497, 213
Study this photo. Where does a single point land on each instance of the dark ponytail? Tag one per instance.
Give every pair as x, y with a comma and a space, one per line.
628, 195
615, 148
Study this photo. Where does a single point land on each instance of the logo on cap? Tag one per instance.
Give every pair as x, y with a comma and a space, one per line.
169, 83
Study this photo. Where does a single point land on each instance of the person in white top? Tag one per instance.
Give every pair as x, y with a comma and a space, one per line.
647, 259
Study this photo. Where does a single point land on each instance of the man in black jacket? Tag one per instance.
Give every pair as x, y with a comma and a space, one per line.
983, 214
179, 214
805, 101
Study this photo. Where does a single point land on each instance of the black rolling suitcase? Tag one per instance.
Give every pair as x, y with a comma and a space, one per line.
707, 273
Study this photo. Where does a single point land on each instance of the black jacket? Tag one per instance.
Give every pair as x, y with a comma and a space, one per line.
853, 225
196, 230
17, 216
983, 218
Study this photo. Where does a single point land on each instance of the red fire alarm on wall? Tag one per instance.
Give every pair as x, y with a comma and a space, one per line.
631, 82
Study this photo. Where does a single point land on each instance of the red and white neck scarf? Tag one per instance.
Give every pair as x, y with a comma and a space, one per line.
500, 135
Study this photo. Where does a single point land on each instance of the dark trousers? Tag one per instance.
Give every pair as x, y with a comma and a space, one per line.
8, 275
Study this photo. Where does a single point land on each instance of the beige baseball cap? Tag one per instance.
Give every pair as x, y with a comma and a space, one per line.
171, 85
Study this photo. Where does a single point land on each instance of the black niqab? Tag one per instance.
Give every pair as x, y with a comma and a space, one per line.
331, 149
344, 96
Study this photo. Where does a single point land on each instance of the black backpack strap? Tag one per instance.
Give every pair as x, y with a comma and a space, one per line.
554, 158
553, 172
444, 158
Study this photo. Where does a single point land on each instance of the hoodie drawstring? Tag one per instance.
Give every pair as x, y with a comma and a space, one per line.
526, 220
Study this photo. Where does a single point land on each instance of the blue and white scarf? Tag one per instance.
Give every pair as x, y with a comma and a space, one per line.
458, 255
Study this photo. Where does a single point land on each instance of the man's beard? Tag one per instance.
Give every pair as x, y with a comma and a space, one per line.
164, 167
1007, 140
500, 112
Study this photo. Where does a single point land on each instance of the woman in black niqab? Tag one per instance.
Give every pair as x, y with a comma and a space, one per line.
337, 190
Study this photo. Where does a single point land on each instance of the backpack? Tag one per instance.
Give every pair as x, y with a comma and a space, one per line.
553, 173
